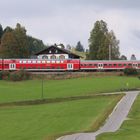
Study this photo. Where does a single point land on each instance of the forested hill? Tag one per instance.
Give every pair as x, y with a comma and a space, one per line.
15, 43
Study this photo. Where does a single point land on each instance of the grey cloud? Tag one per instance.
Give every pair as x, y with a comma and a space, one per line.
136, 33
30, 8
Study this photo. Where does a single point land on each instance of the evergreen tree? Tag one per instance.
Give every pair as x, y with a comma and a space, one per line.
21, 38
133, 57
99, 42
35, 45
68, 47
1, 31
79, 47
123, 57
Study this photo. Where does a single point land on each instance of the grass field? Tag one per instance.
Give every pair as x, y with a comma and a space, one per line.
39, 122
28, 90
130, 129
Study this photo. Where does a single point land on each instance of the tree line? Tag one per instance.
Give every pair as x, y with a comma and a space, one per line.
103, 44
15, 43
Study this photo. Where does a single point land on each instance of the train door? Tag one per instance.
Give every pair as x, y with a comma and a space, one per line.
12, 66
100, 65
135, 65
69, 66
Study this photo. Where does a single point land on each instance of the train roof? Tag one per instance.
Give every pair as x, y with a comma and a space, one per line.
110, 61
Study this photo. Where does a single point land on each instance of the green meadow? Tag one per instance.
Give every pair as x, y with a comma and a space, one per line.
130, 130
32, 89
45, 122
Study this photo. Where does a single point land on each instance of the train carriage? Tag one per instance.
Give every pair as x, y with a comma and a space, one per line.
108, 65
1, 64
39, 64
66, 65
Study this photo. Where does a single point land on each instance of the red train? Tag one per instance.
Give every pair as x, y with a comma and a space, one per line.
66, 65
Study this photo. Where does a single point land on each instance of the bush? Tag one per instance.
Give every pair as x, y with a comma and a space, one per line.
19, 75
130, 71
5, 75
0, 75
139, 77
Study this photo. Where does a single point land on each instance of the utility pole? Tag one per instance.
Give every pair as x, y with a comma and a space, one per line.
42, 93
109, 52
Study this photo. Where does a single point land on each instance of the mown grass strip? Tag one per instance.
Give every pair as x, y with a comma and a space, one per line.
46, 121
96, 123
32, 90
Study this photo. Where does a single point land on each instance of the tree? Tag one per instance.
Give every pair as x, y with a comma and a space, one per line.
114, 46
21, 38
99, 42
68, 47
79, 47
123, 57
8, 45
1, 31
35, 45
133, 57
14, 43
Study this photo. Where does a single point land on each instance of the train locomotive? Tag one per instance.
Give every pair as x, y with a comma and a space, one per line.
66, 65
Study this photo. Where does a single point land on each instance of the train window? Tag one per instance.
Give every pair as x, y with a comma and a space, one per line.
110, 64
62, 61
95, 65
120, 64
105, 65
124, 64
20, 62
139, 65
115, 65
43, 62
39, 62
24, 62
53, 61
29, 61
129, 64
33, 61
57, 62
48, 62
90, 64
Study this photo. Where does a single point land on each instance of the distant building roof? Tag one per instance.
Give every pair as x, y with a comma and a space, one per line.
52, 50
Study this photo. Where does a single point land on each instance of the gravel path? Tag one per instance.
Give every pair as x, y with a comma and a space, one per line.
113, 122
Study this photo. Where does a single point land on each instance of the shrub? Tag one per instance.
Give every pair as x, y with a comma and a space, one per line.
0, 75
5, 75
130, 71
139, 77
19, 75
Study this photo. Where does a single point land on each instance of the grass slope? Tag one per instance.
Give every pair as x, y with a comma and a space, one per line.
130, 129
38, 122
29, 90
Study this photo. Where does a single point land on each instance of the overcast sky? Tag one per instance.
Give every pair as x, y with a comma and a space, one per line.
67, 22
